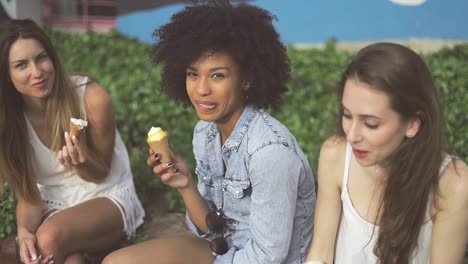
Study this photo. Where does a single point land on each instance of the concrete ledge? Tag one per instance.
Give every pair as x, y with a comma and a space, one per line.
421, 45
8, 251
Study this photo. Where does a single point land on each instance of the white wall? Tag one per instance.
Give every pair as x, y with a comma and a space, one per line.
29, 9
10, 7
23, 9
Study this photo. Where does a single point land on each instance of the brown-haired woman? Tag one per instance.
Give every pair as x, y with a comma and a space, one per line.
389, 190
75, 196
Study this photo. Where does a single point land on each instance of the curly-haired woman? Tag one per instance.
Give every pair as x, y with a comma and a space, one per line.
255, 197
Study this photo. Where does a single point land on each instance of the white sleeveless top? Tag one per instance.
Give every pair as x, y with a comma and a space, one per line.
356, 237
61, 189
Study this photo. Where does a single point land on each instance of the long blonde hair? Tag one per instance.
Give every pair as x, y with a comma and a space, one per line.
63, 102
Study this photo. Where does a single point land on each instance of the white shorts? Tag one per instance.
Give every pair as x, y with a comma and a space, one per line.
125, 198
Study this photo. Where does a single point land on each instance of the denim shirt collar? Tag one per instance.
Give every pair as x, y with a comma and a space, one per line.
238, 132
241, 128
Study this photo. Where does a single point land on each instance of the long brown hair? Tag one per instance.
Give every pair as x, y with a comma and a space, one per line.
413, 168
62, 103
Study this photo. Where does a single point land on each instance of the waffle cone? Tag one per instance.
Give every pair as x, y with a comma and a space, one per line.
162, 148
74, 130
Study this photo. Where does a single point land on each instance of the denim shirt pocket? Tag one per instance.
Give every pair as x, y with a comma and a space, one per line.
206, 185
237, 196
235, 188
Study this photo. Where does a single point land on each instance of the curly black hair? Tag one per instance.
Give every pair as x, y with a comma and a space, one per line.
244, 31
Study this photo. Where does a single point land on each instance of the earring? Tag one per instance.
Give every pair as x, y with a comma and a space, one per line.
409, 134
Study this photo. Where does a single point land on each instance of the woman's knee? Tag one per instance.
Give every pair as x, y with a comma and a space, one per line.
76, 258
50, 238
118, 257
169, 249
147, 252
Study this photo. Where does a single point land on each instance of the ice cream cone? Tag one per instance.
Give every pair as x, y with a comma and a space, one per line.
76, 126
74, 130
158, 142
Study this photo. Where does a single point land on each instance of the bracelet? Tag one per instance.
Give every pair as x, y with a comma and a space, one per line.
314, 262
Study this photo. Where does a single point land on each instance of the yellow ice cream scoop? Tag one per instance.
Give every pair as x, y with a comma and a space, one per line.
157, 140
156, 133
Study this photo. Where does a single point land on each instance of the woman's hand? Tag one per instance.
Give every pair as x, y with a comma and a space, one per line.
71, 154
173, 173
28, 252
176, 175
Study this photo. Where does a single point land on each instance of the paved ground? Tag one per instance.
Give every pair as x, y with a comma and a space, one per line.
159, 225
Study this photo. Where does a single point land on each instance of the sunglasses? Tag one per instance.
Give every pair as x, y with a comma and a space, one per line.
215, 223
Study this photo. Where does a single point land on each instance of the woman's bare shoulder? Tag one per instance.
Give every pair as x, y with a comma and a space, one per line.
333, 148
96, 95
453, 185
331, 161
99, 109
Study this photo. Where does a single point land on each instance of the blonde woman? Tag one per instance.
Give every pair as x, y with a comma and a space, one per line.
75, 195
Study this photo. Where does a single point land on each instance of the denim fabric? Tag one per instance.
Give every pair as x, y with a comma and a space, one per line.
265, 185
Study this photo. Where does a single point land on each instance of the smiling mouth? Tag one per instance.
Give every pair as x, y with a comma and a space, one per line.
205, 106
40, 83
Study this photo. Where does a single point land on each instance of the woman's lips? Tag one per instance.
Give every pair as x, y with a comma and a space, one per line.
360, 153
204, 106
40, 84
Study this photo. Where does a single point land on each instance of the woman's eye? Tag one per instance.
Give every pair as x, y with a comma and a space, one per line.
191, 74
42, 57
21, 65
347, 116
372, 126
218, 75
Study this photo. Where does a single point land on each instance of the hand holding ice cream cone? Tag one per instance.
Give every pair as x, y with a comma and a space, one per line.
71, 154
158, 142
76, 126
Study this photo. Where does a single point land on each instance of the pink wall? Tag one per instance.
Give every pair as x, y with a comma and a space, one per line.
80, 22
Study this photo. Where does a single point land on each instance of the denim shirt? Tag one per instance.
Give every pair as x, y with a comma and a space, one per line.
263, 182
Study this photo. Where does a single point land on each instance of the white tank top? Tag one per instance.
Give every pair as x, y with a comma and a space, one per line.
357, 237
67, 188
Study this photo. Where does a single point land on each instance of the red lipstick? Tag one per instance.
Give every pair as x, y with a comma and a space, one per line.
360, 153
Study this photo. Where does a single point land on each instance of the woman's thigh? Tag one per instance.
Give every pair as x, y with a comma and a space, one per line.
91, 226
167, 250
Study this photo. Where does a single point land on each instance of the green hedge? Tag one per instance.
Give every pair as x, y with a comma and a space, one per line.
123, 66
